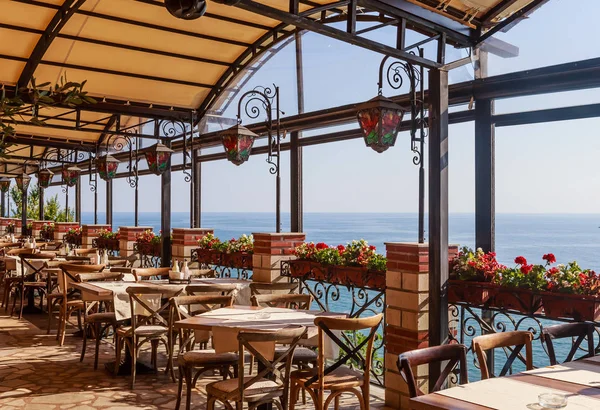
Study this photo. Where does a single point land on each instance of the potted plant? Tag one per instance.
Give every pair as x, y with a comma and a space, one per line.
73, 236
237, 253
47, 231
572, 292
519, 287
471, 276
148, 243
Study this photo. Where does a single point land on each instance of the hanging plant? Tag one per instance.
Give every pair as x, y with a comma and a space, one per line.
65, 93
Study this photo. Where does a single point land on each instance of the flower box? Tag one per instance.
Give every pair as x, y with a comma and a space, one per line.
47, 235
474, 293
108, 244
207, 256
237, 260
521, 300
309, 270
343, 275
578, 307
73, 239
149, 249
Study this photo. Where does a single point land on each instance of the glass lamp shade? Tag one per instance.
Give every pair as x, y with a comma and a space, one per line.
5, 184
157, 157
379, 119
238, 141
107, 167
44, 177
70, 175
23, 181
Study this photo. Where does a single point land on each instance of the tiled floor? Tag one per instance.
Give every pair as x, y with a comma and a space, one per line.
35, 373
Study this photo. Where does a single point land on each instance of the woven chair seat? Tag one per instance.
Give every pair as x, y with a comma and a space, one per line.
223, 389
301, 355
106, 317
341, 378
208, 357
144, 331
35, 284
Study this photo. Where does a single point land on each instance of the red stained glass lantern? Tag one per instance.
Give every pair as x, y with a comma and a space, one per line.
238, 141
5, 184
44, 177
70, 175
157, 157
23, 181
107, 167
379, 119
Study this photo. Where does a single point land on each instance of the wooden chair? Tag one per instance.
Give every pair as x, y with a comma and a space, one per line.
84, 259
188, 359
337, 378
454, 354
32, 281
142, 274
270, 385
9, 266
224, 289
148, 327
518, 339
86, 252
96, 321
581, 331
69, 300
258, 288
288, 301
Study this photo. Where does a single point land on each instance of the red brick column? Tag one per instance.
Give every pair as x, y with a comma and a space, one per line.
3, 224
407, 314
269, 250
89, 232
61, 228
128, 237
186, 239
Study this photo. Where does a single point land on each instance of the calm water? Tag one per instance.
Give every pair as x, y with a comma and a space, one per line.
569, 237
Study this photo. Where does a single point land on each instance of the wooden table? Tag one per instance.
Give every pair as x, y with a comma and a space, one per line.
587, 388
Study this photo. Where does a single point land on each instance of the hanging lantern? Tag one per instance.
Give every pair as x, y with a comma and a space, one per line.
107, 167
186, 9
44, 177
23, 181
379, 119
70, 175
238, 141
5, 184
157, 157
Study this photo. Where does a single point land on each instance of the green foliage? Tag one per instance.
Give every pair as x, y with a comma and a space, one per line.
52, 209
357, 338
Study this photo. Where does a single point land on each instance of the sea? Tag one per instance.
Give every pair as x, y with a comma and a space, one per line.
571, 237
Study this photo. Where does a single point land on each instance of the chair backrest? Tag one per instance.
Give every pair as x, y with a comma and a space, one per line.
300, 302
120, 263
78, 258
258, 288
514, 341
327, 326
72, 269
83, 252
224, 289
121, 269
153, 313
18, 251
203, 273
580, 331
290, 336
26, 263
454, 354
99, 276
149, 273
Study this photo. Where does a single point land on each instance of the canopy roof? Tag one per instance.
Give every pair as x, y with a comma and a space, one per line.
140, 62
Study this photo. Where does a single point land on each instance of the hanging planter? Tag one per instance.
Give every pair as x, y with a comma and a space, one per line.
578, 307
107, 167
473, 293
70, 175
238, 141
44, 177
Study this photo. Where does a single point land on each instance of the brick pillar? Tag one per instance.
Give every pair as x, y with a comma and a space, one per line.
61, 228
37, 227
407, 314
269, 250
89, 233
18, 223
128, 236
186, 239
3, 223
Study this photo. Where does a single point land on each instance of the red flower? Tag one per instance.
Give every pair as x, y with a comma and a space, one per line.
549, 257
520, 260
553, 271
372, 248
322, 245
525, 269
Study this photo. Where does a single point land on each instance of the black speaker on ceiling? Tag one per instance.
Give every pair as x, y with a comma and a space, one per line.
186, 9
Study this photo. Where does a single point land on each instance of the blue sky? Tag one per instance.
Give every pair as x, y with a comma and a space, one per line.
542, 168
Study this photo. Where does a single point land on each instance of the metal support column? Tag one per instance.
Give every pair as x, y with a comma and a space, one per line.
96, 205
78, 200
24, 212
196, 191
3, 205
296, 200
66, 203
165, 213
109, 202
42, 203
136, 200
438, 213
